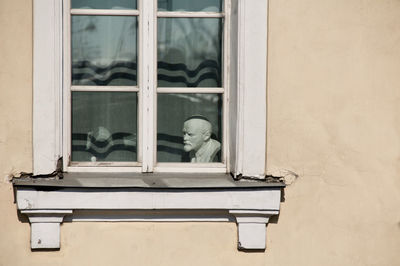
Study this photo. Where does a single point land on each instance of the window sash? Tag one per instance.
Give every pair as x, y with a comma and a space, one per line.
69, 165
147, 90
248, 49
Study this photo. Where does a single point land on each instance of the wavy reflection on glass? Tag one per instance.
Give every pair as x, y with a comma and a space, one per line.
189, 52
117, 73
104, 50
104, 126
171, 75
101, 149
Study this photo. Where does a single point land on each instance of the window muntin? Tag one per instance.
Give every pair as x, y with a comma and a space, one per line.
103, 4
203, 76
184, 5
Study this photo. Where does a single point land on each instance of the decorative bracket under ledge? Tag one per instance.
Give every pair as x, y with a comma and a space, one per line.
45, 227
250, 206
252, 228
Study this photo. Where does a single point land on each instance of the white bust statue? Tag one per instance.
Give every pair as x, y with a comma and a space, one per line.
197, 140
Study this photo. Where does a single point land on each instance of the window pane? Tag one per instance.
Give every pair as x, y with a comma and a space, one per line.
203, 139
104, 4
190, 5
189, 52
104, 126
104, 50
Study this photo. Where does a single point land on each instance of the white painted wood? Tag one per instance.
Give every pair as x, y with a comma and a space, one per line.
46, 216
66, 117
105, 12
45, 235
154, 28
105, 88
190, 90
104, 169
232, 81
191, 165
110, 164
45, 227
149, 78
184, 14
252, 88
253, 216
190, 168
252, 228
140, 77
252, 199
226, 84
47, 86
251, 208
251, 236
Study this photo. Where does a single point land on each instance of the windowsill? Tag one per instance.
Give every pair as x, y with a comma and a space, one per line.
147, 180
147, 197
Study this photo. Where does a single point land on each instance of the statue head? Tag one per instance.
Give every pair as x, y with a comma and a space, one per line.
196, 132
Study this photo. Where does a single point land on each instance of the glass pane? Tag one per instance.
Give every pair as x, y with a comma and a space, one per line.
188, 5
104, 126
189, 52
104, 4
104, 50
189, 128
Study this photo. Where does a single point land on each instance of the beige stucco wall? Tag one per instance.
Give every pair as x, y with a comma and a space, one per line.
333, 118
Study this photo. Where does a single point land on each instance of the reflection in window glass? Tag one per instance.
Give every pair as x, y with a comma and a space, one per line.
104, 4
104, 126
198, 139
190, 5
104, 50
189, 52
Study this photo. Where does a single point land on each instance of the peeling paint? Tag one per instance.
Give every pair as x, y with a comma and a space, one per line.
28, 204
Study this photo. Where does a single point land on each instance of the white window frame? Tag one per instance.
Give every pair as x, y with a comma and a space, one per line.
245, 106
147, 90
250, 207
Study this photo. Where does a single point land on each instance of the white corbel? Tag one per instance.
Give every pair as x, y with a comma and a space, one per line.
45, 227
252, 228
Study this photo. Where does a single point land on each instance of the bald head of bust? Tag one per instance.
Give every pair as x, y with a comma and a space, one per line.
196, 132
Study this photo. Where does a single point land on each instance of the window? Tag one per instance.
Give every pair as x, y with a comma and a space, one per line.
124, 65
146, 86
231, 85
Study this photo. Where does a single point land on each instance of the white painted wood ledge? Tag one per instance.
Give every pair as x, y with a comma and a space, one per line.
48, 206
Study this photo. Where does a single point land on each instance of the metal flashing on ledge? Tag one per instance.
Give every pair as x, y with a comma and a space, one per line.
147, 197
146, 180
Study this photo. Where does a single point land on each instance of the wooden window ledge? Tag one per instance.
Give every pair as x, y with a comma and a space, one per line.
147, 197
